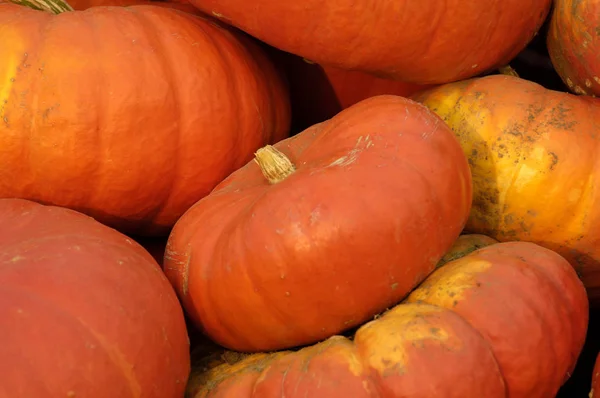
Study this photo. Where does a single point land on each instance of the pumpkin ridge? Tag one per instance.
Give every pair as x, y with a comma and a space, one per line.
69, 317
90, 22
150, 31
39, 47
50, 305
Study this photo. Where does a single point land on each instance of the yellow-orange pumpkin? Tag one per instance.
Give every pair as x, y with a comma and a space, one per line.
129, 114
534, 156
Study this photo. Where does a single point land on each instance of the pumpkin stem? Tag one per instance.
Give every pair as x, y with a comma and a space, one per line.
508, 70
274, 165
51, 6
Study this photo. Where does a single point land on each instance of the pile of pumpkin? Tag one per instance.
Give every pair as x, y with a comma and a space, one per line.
235, 199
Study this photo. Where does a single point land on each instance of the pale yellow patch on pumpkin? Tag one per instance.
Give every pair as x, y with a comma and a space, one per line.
8, 71
384, 343
449, 284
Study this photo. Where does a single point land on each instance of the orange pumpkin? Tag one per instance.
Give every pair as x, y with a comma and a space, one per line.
415, 41
344, 222
534, 156
507, 320
84, 310
573, 44
595, 391
136, 127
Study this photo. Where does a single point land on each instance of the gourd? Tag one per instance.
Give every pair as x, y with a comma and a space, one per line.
507, 320
573, 44
595, 391
84, 310
323, 230
129, 115
534, 156
424, 42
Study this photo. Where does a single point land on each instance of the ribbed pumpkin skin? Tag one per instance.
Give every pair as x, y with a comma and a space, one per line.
350, 233
574, 43
425, 41
84, 311
129, 115
507, 320
534, 160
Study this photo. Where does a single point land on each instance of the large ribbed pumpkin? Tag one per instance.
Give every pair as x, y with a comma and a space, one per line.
426, 41
129, 114
84, 311
573, 44
324, 230
508, 320
534, 156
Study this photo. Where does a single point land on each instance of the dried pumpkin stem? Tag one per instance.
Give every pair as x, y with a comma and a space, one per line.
51, 6
274, 165
508, 70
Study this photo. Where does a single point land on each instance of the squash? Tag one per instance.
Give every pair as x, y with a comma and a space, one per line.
134, 128
84, 310
595, 391
414, 41
573, 44
323, 230
533, 154
507, 320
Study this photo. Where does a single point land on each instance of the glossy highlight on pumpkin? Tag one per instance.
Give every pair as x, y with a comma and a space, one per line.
130, 115
263, 265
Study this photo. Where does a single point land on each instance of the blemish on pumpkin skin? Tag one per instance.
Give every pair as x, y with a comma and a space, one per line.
17, 258
554, 160
362, 143
383, 343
